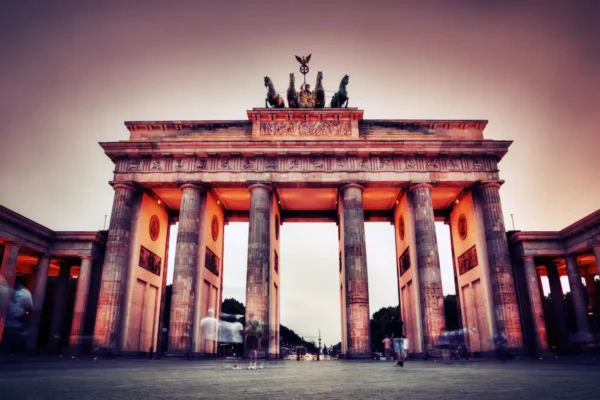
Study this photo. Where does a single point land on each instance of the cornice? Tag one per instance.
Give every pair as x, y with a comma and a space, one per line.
179, 148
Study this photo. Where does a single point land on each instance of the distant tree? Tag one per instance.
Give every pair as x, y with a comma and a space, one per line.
336, 349
451, 312
324, 349
232, 306
386, 321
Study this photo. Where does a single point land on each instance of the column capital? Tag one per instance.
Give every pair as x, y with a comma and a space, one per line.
414, 186
491, 184
528, 258
123, 185
87, 257
11, 244
596, 246
348, 185
195, 185
260, 184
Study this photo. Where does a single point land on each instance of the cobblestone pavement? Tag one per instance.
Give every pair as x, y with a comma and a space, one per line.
178, 379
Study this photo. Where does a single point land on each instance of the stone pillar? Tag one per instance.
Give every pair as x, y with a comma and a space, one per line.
39, 294
162, 343
58, 308
114, 270
537, 308
259, 255
184, 273
8, 270
455, 273
81, 302
428, 266
356, 279
590, 286
558, 306
579, 304
506, 308
590, 283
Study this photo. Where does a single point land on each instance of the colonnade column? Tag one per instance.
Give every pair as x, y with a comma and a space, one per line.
579, 304
8, 270
81, 301
506, 308
39, 294
537, 309
184, 272
58, 308
428, 266
114, 272
259, 255
591, 284
558, 305
356, 279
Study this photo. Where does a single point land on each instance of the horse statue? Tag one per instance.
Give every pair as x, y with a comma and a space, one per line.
292, 95
319, 91
273, 98
340, 99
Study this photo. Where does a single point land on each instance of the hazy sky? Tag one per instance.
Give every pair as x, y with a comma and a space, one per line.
71, 73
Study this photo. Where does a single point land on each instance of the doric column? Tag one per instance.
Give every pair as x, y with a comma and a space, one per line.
558, 305
58, 308
162, 343
579, 304
537, 308
184, 273
428, 266
506, 309
357, 280
114, 271
8, 270
81, 302
455, 273
590, 283
39, 294
259, 255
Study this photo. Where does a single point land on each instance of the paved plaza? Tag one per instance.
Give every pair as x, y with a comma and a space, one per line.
176, 379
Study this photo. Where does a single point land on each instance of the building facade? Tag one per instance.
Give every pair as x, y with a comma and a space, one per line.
290, 165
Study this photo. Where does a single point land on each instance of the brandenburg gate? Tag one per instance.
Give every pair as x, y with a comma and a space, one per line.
291, 165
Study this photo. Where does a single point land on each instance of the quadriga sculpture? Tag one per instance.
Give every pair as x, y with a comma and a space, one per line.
292, 94
340, 99
319, 91
273, 98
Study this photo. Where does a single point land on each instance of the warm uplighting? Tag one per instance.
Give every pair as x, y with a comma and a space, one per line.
456, 201
158, 201
218, 202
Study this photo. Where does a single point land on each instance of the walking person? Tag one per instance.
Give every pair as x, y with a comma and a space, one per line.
387, 345
252, 334
401, 349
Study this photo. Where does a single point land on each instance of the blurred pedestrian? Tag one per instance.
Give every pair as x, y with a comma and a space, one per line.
387, 345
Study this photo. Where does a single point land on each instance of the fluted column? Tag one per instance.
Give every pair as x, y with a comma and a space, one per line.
455, 273
8, 269
428, 266
162, 343
356, 278
58, 308
114, 272
39, 294
81, 302
558, 305
537, 308
259, 255
184, 272
579, 304
506, 309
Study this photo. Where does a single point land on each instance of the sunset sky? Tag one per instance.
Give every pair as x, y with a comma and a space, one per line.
71, 73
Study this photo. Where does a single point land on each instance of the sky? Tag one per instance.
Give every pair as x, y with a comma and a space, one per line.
72, 72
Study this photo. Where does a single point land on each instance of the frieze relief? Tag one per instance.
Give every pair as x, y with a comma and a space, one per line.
305, 128
389, 163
